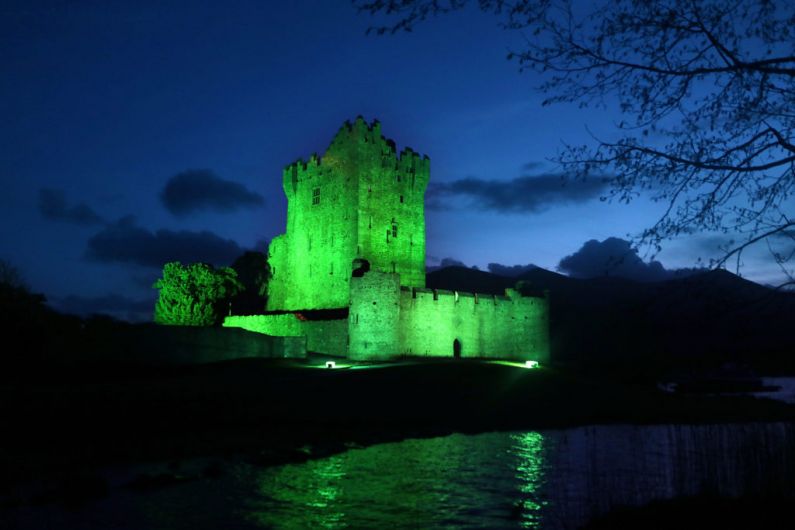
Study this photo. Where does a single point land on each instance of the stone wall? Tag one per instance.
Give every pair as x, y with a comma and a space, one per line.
503, 327
387, 320
320, 336
374, 316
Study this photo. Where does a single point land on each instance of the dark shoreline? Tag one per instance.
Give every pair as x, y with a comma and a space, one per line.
73, 422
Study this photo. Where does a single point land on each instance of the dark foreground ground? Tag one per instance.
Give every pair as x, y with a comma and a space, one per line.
66, 422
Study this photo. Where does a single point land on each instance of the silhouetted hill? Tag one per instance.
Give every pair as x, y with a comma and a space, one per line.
705, 318
468, 280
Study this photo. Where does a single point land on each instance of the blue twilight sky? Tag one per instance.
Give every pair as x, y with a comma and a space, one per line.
104, 104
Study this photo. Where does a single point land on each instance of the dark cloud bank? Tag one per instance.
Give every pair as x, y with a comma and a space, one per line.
612, 257
53, 206
443, 263
511, 271
196, 190
522, 194
616, 257
126, 242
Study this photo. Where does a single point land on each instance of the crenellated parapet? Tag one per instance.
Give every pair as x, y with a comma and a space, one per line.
359, 147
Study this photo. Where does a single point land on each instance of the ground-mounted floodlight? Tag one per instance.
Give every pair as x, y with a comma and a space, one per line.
531, 364
331, 364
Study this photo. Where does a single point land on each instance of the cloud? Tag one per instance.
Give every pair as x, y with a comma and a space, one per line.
616, 257
451, 262
52, 205
200, 189
511, 271
529, 193
113, 304
534, 165
445, 262
125, 242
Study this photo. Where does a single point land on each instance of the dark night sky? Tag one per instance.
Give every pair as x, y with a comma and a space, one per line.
135, 132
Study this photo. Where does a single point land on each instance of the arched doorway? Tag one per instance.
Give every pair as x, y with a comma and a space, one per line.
457, 349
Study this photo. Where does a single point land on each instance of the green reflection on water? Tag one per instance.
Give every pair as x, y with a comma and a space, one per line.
444, 482
313, 490
530, 470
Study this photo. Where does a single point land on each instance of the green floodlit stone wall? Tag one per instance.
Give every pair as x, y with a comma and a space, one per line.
360, 200
322, 336
374, 315
286, 325
386, 320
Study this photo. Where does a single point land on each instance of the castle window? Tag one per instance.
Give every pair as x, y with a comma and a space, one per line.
401, 198
316, 196
394, 229
398, 177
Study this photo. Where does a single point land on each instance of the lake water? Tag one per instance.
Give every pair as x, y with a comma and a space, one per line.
536, 479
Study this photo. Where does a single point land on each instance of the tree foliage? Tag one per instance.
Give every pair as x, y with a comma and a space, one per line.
253, 272
707, 93
194, 295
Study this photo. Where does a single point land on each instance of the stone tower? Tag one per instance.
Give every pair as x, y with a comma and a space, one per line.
358, 207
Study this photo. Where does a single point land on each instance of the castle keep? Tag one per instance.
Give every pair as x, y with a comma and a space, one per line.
349, 271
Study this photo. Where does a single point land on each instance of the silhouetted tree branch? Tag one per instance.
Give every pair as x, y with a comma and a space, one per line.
707, 91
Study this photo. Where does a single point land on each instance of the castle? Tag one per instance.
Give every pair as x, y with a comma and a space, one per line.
348, 274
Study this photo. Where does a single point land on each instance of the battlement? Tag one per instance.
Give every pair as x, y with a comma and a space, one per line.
360, 151
477, 298
360, 131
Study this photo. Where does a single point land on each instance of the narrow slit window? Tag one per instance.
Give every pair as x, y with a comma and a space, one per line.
401, 198
316, 196
394, 229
